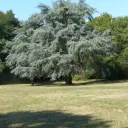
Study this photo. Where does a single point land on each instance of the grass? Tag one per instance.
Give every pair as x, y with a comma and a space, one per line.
84, 105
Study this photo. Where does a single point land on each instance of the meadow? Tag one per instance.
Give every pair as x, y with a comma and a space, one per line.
82, 105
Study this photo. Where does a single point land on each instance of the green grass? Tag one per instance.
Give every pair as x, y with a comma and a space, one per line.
84, 105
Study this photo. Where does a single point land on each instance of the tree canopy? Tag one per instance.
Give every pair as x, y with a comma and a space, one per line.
57, 42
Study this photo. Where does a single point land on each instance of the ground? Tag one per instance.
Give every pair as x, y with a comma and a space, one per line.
82, 105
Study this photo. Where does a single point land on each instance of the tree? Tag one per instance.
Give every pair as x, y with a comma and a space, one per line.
56, 42
118, 27
8, 23
123, 60
102, 23
119, 31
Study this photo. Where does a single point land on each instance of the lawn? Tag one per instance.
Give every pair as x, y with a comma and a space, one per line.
83, 105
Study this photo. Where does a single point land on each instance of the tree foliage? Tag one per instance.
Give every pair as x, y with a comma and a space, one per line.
102, 23
57, 42
119, 31
2, 63
8, 23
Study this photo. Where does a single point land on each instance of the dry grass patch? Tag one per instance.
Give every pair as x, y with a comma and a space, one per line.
85, 105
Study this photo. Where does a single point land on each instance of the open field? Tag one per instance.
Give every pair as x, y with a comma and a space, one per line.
94, 105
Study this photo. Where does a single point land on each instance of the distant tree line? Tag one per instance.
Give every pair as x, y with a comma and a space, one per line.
63, 41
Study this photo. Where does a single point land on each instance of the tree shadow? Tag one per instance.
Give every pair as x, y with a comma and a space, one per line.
62, 83
89, 82
93, 82
80, 83
50, 119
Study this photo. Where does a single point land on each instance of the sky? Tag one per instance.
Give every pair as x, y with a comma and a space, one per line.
23, 9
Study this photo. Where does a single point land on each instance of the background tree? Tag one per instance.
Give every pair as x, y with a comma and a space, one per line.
57, 42
119, 31
8, 23
102, 23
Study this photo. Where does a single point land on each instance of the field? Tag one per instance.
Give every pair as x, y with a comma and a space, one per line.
83, 105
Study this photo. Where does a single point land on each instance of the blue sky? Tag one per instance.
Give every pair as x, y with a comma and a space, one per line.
24, 8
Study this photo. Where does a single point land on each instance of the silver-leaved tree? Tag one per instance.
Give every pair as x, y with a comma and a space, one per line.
56, 42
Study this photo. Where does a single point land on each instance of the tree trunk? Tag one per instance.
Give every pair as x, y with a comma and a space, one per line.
69, 79
32, 82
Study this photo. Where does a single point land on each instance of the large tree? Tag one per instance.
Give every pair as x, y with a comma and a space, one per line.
57, 42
